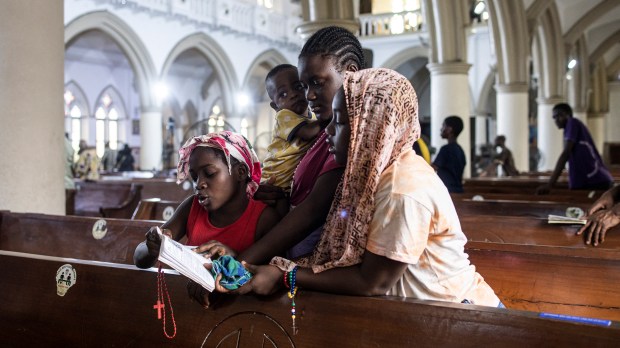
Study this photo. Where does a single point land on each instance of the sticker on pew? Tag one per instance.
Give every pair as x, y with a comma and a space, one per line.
100, 228
66, 277
167, 214
576, 319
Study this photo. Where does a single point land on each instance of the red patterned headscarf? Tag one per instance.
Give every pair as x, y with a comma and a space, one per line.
232, 144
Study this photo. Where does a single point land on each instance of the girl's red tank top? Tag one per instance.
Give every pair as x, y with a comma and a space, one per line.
239, 235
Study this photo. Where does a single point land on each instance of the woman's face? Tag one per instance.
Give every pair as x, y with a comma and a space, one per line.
339, 129
215, 187
321, 80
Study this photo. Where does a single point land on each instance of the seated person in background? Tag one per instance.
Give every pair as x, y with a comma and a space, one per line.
87, 165
125, 160
293, 131
503, 158
392, 229
225, 172
450, 161
586, 170
602, 215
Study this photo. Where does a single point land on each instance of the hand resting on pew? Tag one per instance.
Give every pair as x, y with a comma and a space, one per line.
602, 215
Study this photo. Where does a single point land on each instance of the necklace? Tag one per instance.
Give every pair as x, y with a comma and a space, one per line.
160, 305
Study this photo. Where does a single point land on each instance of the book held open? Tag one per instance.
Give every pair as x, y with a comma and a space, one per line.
186, 261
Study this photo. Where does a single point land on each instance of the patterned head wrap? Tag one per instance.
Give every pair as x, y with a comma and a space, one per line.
383, 115
232, 144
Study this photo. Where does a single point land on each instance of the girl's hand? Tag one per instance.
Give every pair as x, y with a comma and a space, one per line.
153, 240
265, 279
214, 247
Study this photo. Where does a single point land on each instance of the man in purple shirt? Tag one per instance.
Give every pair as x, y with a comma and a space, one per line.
586, 170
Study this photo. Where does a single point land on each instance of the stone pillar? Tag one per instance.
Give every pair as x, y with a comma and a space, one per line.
32, 116
318, 14
450, 96
581, 114
550, 137
151, 143
596, 126
612, 119
512, 121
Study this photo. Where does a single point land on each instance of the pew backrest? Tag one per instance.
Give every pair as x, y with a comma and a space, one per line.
117, 200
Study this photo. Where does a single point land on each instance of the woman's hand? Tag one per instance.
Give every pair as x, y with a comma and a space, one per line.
213, 247
265, 279
606, 201
598, 224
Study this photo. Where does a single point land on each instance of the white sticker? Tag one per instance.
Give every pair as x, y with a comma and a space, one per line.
66, 277
167, 213
100, 228
187, 185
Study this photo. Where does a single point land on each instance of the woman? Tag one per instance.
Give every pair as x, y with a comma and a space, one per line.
392, 228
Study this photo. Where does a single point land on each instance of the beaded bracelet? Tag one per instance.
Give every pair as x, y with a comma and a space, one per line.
286, 280
292, 276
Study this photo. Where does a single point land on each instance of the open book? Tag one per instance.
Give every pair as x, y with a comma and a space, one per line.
186, 261
559, 219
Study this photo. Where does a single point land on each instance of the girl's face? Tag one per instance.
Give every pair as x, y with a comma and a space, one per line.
339, 129
214, 187
321, 80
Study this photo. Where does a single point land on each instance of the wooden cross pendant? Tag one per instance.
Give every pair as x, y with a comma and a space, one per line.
159, 306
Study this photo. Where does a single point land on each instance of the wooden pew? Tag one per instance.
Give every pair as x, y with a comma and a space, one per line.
539, 267
113, 305
116, 200
507, 207
504, 250
577, 197
72, 236
162, 188
155, 209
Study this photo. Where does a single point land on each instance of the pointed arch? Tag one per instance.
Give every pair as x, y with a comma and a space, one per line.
116, 96
548, 54
216, 56
128, 41
574, 33
405, 55
80, 97
603, 47
270, 57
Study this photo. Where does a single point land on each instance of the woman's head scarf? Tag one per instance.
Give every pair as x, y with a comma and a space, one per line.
383, 115
232, 144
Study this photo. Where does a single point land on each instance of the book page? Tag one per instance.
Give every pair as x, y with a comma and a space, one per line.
186, 261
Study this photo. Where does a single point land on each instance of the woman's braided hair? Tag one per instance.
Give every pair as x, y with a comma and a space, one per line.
337, 42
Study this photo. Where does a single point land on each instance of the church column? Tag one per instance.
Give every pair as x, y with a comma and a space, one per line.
151, 143
512, 121
612, 119
450, 96
508, 24
318, 14
31, 89
550, 137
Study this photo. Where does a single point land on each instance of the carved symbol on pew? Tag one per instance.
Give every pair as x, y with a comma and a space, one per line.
100, 228
167, 213
248, 329
66, 277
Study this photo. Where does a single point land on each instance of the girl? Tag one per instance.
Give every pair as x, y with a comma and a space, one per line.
225, 172
392, 228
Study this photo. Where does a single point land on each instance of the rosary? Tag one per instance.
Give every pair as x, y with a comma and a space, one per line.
160, 305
